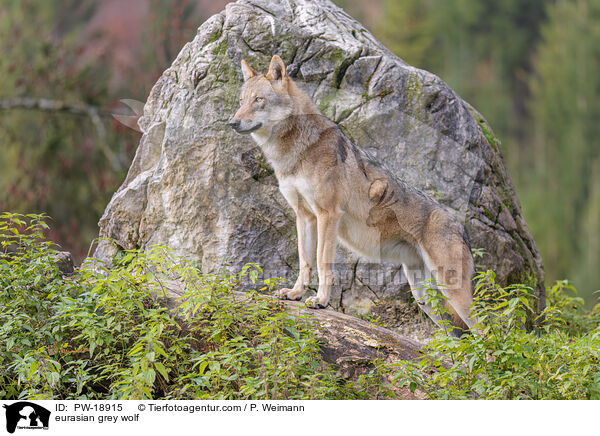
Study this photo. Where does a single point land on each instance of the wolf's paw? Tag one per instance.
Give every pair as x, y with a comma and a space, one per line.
288, 294
315, 303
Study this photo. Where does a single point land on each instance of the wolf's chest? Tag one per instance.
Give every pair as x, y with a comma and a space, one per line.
298, 190
282, 160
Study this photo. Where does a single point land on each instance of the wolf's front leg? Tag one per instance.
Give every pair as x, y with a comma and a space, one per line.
327, 227
306, 225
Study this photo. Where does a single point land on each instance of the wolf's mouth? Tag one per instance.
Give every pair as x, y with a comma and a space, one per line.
250, 130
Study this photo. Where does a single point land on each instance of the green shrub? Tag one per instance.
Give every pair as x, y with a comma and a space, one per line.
566, 310
507, 362
106, 333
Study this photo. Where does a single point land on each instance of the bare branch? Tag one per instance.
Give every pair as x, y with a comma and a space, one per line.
44, 104
93, 112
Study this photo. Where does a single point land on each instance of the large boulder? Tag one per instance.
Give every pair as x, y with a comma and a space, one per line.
208, 194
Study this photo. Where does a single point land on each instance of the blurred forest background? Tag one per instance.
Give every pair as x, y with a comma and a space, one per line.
531, 67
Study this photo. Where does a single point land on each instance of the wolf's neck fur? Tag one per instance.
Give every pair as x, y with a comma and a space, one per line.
285, 142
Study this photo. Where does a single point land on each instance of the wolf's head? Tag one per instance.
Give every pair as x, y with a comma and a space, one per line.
265, 100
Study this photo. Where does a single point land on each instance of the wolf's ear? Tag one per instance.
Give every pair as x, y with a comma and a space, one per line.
247, 71
276, 69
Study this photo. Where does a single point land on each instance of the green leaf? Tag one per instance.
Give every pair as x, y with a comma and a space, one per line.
293, 331
149, 376
32, 369
53, 378
161, 370
253, 276
471, 363
202, 367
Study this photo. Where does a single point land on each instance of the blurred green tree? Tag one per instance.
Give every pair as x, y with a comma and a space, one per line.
64, 65
561, 196
50, 160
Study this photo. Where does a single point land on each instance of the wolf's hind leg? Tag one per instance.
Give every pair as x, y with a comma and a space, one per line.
306, 226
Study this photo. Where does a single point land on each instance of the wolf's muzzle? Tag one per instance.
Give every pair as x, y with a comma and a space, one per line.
236, 125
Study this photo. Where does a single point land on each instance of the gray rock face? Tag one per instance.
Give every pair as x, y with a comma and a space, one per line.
207, 193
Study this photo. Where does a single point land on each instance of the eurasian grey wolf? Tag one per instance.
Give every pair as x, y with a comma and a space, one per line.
339, 192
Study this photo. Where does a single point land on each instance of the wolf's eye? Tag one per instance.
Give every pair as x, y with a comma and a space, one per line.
258, 99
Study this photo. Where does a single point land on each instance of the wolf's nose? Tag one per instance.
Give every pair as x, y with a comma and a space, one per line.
234, 123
